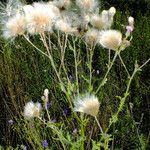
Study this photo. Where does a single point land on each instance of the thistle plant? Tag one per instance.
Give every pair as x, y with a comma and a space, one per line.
76, 28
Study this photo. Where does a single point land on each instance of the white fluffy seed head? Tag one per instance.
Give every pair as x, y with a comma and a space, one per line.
88, 104
111, 39
87, 5
40, 17
91, 36
14, 26
32, 110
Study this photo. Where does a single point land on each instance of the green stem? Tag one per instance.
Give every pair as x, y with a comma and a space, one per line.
109, 53
48, 115
34, 45
82, 131
91, 50
122, 101
76, 66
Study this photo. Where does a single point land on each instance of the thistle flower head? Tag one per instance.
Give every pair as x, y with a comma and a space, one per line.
14, 26
91, 36
88, 104
87, 5
40, 17
110, 39
32, 109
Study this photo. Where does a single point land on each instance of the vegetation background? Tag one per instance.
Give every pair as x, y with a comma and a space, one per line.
24, 74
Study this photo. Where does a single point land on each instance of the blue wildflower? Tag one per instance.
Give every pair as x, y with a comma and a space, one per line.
45, 143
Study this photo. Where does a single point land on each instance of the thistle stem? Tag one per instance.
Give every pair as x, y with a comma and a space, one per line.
99, 125
124, 65
122, 100
34, 46
76, 66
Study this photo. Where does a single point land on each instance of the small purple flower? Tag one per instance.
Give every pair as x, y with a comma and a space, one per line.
25, 148
66, 111
49, 104
53, 120
75, 131
45, 143
70, 77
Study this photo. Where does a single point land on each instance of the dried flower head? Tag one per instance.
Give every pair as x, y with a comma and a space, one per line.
14, 26
88, 104
111, 39
87, 5
91, 36
32, 109
40, 17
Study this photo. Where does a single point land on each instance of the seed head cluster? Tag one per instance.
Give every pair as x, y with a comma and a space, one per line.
84, 20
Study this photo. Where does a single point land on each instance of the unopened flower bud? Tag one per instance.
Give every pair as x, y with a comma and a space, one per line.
131, 21
112, 10
46, 92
